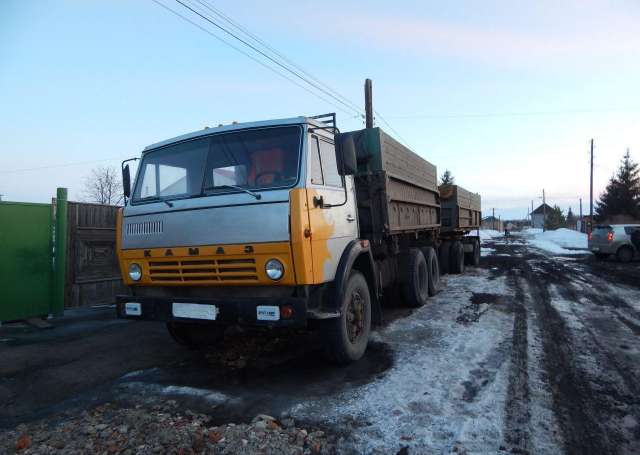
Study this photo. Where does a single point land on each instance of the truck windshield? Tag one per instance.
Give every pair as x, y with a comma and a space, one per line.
253, 159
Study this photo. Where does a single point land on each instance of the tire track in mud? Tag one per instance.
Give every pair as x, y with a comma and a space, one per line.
517, 434
578, 415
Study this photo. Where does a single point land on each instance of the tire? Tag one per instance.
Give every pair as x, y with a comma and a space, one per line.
473, 258
456, 258
196, 336
444, 255
415, 283
346, 337
601, 256
434, 270
624, 254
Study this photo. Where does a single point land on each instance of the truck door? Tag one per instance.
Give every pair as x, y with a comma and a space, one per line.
332, 228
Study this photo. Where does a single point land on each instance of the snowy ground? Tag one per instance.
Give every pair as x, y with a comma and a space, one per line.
559, 241
535, 352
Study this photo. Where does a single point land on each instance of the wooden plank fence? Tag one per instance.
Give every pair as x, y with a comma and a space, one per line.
92, 275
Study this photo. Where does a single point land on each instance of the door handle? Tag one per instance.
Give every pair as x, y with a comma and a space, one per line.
350, 218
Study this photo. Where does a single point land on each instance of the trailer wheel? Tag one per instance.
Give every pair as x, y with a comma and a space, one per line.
444, 255
434, 270
346, 337
196, 336
473, 257
415, 288
457, 257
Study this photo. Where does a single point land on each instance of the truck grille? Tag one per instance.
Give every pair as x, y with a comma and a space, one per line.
203, 270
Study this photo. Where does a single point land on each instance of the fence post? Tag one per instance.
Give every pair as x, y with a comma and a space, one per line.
60, 261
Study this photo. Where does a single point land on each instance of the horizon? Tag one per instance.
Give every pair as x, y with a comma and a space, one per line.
506, 97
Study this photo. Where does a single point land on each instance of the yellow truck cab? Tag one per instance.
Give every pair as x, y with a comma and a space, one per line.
279, 223
242, 224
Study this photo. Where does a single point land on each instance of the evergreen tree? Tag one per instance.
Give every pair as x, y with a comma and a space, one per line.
570, 216
622, 194
447, 178
555, 218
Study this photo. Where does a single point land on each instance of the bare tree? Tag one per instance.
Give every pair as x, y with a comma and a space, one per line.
103, 186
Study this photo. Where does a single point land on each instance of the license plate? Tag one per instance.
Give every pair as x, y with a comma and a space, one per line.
195, 311
132, 309
268, 313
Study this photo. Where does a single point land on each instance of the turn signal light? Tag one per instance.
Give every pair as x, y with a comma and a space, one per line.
610, 236
286, 312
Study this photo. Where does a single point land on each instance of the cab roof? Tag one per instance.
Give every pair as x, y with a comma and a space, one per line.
237, 126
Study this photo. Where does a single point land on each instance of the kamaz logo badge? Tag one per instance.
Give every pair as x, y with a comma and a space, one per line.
168, 253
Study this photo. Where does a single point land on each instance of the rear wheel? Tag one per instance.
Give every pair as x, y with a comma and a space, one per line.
444, 255
415, 287
457, 257
434, 270
473, 257
196, 336
346, 337
624, 254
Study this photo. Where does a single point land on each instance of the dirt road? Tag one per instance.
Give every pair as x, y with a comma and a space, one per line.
529, 353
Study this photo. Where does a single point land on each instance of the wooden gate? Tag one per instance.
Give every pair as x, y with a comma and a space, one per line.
93, 274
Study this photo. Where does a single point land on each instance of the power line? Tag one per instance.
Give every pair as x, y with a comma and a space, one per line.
517, 114
269, 47
264, 54
270, 68
391, 128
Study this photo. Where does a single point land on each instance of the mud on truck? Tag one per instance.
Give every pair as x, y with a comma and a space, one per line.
286, 223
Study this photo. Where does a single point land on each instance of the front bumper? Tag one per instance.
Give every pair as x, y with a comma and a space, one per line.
243, 311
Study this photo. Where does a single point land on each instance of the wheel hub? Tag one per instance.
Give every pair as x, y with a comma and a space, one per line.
355, 317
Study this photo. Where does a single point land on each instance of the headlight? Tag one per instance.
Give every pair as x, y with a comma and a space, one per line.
135, 272
274, 269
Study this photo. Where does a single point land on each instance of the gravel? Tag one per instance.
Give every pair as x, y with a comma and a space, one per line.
162, 429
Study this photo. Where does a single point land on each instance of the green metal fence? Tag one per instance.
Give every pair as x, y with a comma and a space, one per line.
27, 266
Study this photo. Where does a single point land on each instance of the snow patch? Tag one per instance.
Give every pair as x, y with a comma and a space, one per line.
441, 393
561, 241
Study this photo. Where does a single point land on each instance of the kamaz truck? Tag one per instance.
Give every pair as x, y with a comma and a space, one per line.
285, 223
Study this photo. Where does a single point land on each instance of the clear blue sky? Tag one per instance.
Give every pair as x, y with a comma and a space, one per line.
90, 80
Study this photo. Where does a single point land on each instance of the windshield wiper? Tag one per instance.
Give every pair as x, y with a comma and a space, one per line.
239, 188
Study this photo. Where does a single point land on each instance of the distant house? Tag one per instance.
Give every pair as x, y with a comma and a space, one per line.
537, 216
491, 222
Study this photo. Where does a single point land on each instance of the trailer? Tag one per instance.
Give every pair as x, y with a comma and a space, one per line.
283, 223
461, 215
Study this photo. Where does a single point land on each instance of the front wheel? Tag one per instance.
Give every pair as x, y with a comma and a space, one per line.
346, 337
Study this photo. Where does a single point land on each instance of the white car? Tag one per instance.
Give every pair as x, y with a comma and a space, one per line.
606, 240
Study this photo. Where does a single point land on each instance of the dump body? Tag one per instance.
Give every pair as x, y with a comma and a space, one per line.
397, 190
461, 209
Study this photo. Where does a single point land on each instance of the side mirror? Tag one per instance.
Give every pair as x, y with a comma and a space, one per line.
346, 154
126, 181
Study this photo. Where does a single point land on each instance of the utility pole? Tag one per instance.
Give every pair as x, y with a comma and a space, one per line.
544, 212
531, 213
581, 220
368, 103
591, 193
493, 219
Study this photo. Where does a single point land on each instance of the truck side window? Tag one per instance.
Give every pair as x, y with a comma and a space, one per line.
329, 165
149, 188
316, 167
